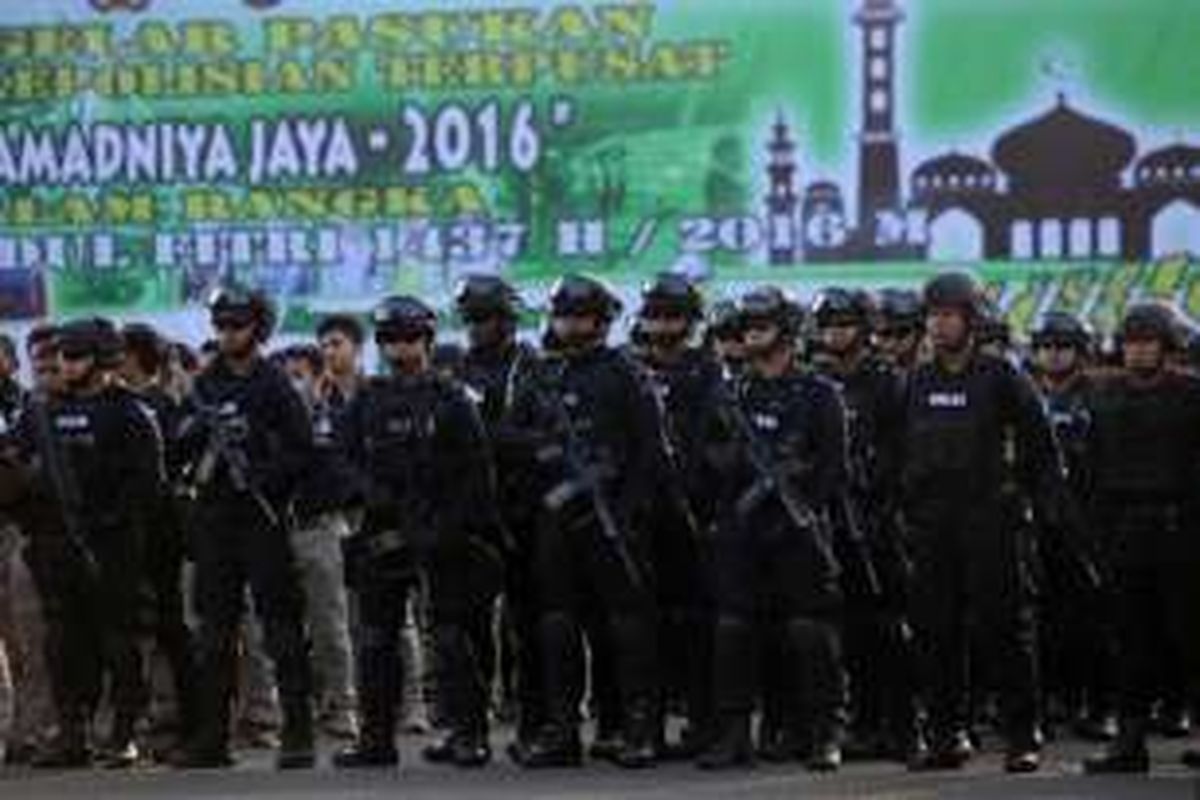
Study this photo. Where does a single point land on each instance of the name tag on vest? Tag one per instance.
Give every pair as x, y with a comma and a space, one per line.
947, 400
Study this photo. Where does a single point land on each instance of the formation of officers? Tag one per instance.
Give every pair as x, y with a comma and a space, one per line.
870, 526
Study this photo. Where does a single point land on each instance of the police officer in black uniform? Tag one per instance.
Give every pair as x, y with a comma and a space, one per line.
875, 574
683, 376
246, 439
420, 450
899, 327
591, 422
973, 429
1144, 452
1077, 640
141, 370
99, 457
777, 457
723, 335
491, 367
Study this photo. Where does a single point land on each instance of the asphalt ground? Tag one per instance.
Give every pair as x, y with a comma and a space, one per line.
254, 777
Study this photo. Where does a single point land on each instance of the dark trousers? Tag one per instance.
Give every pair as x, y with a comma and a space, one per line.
970, 595
1078, 643
463, 583
581, 576
235, 545
1156, 586
164, 569
769, 577
93, 621
683, 584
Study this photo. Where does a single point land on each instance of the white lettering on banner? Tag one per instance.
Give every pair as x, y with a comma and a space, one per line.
301, 148
947, 400
106, 153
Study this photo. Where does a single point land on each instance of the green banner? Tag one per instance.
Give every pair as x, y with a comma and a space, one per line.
336, 151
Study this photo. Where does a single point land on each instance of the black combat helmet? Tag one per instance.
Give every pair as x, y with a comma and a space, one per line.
479, 297
725, 320
1061, 327
838, 306
672, 294
1151, 321
241, 306
581, 295
957, 290
900, 310
770, 304
401, 316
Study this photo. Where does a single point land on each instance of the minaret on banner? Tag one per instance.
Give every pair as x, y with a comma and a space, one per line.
879, 167
781, 199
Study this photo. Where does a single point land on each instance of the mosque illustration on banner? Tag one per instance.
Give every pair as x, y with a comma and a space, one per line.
1054, 189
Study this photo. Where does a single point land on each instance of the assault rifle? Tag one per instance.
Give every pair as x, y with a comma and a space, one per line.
586, 478
224, 446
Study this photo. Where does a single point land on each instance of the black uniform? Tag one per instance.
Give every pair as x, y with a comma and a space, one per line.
1077, 641
248, 439
422, 458
166, 549
493, 374
1144, 453
679, 521
88, 558
971, 441
875, 562
769, 565
592, 428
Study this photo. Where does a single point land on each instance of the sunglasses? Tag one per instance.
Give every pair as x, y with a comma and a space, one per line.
231, 324
407, 336
74, 354
1055, 344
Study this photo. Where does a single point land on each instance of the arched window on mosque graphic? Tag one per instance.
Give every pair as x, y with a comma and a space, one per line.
956, 235
1175, 230
1051, 234
1109, 236
1079, 238
1021, 244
